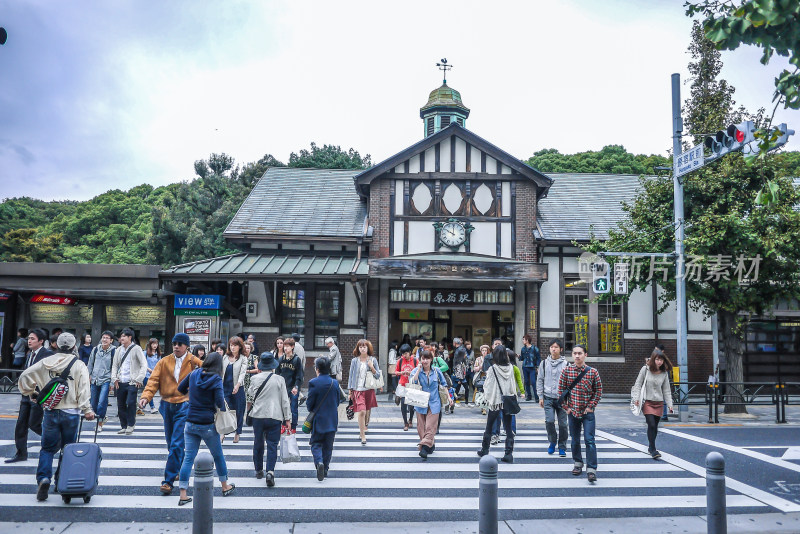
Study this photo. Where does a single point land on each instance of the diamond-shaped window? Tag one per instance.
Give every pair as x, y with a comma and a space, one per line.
483, 198
422, 198
452, 198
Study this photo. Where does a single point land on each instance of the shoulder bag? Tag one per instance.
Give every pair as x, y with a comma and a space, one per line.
248, 419
636, 410
309, 422
371, 382
415, 396
225, 422
510, 402
565, 396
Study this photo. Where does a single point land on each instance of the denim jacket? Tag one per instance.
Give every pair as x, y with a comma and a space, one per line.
430, 383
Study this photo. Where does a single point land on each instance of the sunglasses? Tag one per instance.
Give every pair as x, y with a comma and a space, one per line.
178, 344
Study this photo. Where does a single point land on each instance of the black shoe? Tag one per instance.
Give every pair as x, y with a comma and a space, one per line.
320, 472
270, 479
16, 458
508, 458
528, 399
423, 452
44, 489
259, 474
326, 472
483, 452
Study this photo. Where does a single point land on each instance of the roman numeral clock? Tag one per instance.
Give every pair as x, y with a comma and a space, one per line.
453, 233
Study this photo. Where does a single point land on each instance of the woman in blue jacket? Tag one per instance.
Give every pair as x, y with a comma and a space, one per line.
204, 386
323, 399
430, 378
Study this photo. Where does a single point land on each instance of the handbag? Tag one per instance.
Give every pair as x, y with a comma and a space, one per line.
225, 422
290, 451
371, 382
565, 395
350, 410
400, 391
636, 410
444, 395
308, 424
416, 397
480, 400
248, 419
510, 402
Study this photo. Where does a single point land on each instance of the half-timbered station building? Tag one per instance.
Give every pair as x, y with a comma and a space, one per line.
451, 236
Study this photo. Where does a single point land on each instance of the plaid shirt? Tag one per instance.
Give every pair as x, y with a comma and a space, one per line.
586, 393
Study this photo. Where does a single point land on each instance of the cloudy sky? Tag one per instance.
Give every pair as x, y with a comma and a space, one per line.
98, 95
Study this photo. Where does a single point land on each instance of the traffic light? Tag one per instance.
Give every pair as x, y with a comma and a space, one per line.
601, 282
735, 137
784, 132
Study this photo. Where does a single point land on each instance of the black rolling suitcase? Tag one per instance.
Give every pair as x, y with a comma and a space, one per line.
79, 469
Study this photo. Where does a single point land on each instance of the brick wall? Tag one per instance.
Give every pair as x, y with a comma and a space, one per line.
525, 221
379, 210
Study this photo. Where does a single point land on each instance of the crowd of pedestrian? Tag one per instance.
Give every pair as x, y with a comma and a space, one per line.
427, 380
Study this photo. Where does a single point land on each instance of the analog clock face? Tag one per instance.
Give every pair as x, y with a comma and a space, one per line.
453, 234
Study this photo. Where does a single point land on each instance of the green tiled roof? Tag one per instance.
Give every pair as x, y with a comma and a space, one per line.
247, 265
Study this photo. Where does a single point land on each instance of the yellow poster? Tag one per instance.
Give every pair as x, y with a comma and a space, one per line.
581, 330
611, 336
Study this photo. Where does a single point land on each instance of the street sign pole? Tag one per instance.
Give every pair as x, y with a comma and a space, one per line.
680, 282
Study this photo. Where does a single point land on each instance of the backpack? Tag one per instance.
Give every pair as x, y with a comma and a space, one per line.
56, 389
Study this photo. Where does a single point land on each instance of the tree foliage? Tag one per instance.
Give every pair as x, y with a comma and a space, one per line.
773, 25
167, 225
329, 157
611, 159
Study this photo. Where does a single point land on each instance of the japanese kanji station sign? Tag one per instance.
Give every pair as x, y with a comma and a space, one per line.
452, 297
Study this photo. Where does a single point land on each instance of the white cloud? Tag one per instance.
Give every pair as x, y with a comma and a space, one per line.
116, 95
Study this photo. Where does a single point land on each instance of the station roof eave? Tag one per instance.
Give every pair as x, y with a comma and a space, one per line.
254, 266
457, 267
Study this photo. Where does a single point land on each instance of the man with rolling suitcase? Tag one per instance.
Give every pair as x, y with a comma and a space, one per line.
60, 385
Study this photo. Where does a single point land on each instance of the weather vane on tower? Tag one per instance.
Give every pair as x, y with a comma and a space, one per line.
443, 66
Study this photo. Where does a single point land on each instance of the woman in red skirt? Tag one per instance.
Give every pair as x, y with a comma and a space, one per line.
655, 378
364, 399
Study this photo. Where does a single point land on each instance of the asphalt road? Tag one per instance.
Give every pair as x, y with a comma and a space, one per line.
386, 481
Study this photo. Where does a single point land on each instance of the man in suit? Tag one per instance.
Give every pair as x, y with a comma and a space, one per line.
30, 413
323, 398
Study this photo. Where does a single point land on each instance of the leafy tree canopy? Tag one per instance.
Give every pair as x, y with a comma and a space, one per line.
611, 159
329, 157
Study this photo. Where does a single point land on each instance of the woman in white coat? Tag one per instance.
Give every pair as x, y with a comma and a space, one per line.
654, 376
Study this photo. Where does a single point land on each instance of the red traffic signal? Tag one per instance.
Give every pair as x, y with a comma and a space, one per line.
736, 133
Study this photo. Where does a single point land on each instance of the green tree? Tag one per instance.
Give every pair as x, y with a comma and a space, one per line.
611, 159
773, 25
724, 223
329, 157
252, 172
29, 244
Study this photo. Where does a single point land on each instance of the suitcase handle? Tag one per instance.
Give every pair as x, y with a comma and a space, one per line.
80, 428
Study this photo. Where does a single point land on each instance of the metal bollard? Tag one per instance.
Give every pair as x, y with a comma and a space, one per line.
716, 514
203, 505
487, 495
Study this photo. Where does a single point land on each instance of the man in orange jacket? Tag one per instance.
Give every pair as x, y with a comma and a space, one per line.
174, 406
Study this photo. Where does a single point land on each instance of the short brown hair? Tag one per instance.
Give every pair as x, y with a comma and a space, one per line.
288, 342
363, 342
528, 338
651, 362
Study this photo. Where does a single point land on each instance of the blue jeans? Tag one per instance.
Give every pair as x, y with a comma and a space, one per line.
496, 425
99, 399
529, 377
575, 424
58, 428
293, 402
144, 385
269, 430
193, 433
237, 403
322, 447
174, 421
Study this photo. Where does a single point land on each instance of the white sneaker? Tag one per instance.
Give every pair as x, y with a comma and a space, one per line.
153, 410
129, 431
122, 431
99, 428
502, 432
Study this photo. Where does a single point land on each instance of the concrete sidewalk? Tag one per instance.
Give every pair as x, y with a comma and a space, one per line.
775, 523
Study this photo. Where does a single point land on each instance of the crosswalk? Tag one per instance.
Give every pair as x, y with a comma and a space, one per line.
386, 480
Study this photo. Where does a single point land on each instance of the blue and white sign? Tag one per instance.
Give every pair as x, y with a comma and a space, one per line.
197, 302
689, 161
